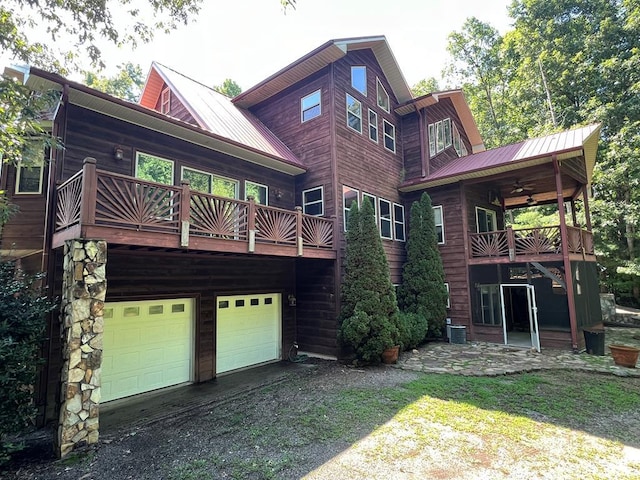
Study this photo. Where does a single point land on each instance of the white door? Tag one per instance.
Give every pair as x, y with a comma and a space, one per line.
532, 309
248, 330
147, 345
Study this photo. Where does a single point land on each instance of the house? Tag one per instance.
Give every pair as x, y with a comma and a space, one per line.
190, 235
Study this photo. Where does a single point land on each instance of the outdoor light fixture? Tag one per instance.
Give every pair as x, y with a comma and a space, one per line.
118, 153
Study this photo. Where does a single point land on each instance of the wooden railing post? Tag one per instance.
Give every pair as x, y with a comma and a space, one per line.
251, 224
89, 193
184, 214
511, 243
299, 242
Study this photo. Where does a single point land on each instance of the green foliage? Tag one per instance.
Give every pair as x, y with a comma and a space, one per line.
423, 291
413, 329
229, 88
369, 313
23, 308
127, 84
425, 86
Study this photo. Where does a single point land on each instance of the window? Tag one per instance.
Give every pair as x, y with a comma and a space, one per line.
259, 192
311, 106
389, 136
354, 113
312, 202
209, 183
155, 169
490, 304
349, 197
398, 222
165, 101
383, 96
446, 285
373, 202
486, 220
447, 132
385, 218
440, 136
373, 125
432, 139
438, 218
456, 140
359, 79
29, 177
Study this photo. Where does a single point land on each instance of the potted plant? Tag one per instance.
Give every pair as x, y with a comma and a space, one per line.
624, 355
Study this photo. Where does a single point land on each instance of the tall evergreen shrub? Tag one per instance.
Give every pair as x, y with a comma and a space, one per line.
369, 311
23, 309
423, 291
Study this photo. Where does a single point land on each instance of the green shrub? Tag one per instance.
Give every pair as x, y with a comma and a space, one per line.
413, 329
23, 309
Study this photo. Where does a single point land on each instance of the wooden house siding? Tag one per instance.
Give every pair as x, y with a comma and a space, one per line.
411, 146
441, 110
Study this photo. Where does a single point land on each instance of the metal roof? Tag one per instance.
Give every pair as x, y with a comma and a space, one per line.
536, 151
322, 56
214, 112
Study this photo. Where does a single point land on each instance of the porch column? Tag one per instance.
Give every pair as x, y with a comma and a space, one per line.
573, 319
84, 287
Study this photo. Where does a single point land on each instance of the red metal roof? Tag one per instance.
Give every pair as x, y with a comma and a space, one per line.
570, 143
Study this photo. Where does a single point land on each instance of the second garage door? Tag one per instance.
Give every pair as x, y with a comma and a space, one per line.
248, 330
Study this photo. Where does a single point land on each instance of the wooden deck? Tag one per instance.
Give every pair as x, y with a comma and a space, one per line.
125, 210
540, 244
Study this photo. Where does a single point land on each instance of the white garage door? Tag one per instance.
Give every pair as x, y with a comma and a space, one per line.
147, 345
248, 330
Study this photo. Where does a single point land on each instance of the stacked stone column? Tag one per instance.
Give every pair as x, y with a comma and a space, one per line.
83, 293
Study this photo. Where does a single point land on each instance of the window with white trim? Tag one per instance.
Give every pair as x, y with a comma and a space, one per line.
486, 220
354, 114
442, 135
389, 136
382, 96
259, 192
165, 101
398, 222
439, 137
373, 126
446, 123
458, 143
490, 304
432, 139
359, 79
208, 183
446, 285
439, 221
312, 201
349, 197
153, 168
384, 207
311, 106
373, 202
29, 178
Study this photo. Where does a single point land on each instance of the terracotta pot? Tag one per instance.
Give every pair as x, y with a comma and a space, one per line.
390, 355
624, 355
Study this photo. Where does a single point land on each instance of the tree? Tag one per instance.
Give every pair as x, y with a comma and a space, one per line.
126, 84
425, 86
423, 290
369, 313
23, 308
229, 88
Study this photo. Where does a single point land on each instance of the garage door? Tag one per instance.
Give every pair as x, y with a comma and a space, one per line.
248, 330
147, 345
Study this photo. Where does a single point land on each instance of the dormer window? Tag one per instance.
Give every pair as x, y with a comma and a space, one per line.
311, 106
359, 79
441, 136
383, 96
165, 101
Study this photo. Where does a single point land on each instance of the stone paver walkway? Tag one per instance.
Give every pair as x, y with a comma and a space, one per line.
479, 358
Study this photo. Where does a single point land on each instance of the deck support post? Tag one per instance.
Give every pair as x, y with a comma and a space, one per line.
299, 241
84, 287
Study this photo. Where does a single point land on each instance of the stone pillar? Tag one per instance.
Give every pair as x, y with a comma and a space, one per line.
84, 287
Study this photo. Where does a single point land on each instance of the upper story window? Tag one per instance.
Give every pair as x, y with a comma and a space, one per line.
384, 207
349, 197
311, 106
155, 169
487, 220
383, 97
354, 114
439, 221
458, 143
373, 125
446, 125
440, 136
312, 201
389, 136
359, 79
208, 183
259, 192
432, 139
29, 178
165, 100
398, 222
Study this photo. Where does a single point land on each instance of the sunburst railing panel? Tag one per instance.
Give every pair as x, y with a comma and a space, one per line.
537, 241
218, 217
317, 232
69, 202
275, 225
489, 244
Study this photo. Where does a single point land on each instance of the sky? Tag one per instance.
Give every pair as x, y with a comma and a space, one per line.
248, 40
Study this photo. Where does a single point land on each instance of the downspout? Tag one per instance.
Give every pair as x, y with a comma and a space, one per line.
573, 321
465, 229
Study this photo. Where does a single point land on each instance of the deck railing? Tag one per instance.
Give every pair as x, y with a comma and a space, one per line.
529, 242
100, 198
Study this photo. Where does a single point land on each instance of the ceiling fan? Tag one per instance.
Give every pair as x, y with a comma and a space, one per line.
521, 187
